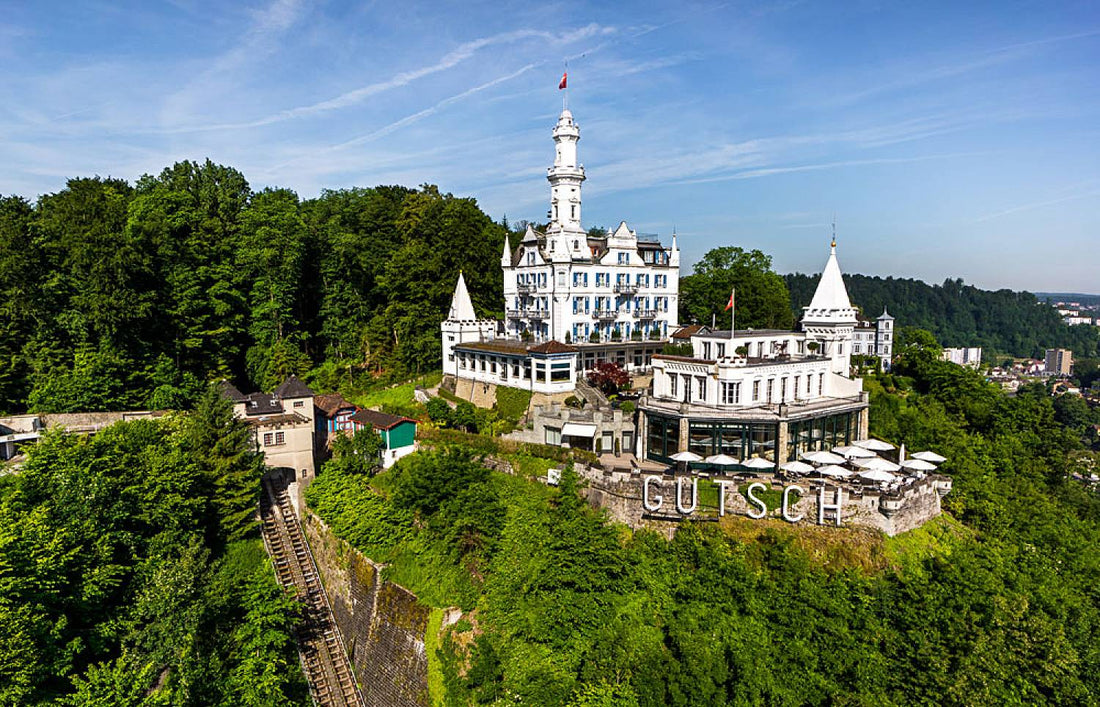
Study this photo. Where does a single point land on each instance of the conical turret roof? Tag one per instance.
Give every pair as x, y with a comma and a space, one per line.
831, 294
462, 308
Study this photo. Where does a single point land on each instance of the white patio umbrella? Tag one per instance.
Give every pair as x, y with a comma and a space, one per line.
758, 463
853, 452
877, 464
928, 457
918, 465
877, 475
797, 467
837, 472
823, 458
686, 457
721, 460
875, 445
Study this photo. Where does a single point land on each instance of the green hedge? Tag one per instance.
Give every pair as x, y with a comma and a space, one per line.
481, 444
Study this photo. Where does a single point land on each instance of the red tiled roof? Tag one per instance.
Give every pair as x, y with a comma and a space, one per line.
552, 347
331, 403
686, 332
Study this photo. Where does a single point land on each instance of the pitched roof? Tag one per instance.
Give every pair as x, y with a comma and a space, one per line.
261, 404
230, 391
831, 293
686, 332
379, 420
462, 308
331, 403
551, 347
293, 387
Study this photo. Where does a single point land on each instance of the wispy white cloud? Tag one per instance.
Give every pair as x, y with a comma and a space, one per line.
407, 120
1040, 204
449, 60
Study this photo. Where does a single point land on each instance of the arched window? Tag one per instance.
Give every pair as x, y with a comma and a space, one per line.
576, 245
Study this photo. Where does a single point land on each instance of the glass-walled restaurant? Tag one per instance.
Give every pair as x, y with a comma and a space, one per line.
744, 440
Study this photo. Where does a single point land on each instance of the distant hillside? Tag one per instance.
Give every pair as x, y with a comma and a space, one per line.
1004, 321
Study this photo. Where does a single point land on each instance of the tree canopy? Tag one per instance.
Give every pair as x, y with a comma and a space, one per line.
131, 572
123, 296
1004, 322
762, 300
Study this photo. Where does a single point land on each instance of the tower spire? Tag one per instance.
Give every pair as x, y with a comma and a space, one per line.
566, 175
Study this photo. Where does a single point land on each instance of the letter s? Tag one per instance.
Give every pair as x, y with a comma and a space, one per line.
756, 501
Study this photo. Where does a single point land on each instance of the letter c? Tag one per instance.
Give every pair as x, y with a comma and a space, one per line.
787, 502
645, 495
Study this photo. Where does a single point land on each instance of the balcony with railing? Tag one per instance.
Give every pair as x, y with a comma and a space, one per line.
626, 288
527, 314
525, 288
605, 313
645, 313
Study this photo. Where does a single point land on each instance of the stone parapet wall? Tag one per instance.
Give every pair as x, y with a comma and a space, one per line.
382, 624
621, 495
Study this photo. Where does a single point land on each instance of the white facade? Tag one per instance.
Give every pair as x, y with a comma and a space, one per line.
568, 286
875, 338
829, 320
547, 368
462, 326
964, 356
749, 368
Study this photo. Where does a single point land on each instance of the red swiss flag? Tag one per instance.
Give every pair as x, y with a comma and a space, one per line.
729, 305
564, 76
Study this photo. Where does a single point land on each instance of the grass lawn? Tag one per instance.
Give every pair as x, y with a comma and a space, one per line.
396, 396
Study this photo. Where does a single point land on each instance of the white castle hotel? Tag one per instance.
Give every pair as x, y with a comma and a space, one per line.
572, 299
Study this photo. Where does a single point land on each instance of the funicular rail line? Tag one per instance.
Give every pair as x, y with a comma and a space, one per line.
324, 660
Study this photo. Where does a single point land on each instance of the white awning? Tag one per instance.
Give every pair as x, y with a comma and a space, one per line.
576, 429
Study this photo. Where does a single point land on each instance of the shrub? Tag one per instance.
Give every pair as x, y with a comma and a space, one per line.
677, 350
574, 402
608, 377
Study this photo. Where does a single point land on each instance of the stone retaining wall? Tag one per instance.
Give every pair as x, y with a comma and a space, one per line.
620, 493
382, 623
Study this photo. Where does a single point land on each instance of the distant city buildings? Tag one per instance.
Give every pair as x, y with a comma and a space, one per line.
1059, 362
971, 357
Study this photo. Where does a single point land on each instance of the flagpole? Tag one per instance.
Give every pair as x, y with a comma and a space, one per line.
733, 316
565, 98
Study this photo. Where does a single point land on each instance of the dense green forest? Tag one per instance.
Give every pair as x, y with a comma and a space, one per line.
117, 295
995, 603
131, 571
1001, 322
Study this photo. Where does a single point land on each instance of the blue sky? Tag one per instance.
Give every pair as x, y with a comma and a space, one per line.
949, 139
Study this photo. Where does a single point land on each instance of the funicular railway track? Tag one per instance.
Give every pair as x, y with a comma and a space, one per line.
326, 665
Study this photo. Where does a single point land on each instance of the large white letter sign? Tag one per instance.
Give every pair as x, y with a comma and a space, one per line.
722, 485
680, 496
837, 507
787, 503
756, 501
652, 508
